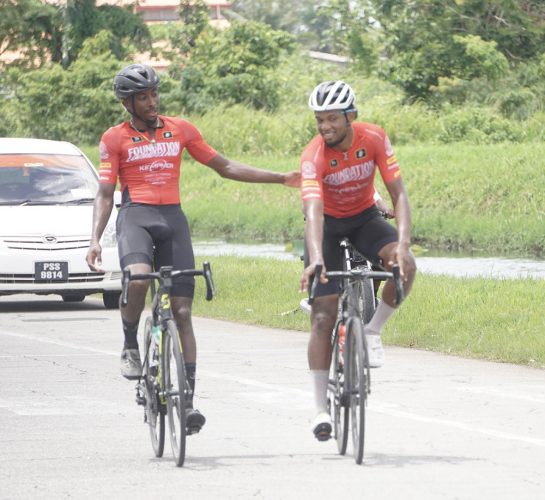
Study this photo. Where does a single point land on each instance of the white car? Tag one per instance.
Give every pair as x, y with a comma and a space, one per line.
47, 190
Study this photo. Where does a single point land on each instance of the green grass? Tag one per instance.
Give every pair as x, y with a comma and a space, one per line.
499, 320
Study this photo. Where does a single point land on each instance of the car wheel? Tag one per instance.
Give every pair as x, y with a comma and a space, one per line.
111, 299
73, 298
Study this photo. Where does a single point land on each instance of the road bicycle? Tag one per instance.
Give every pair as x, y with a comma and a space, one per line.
350, 377
163, 388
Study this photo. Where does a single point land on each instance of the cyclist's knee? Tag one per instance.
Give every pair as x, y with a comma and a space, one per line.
324, 314
181, 308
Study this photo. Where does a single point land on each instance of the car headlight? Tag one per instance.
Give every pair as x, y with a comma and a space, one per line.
108, 237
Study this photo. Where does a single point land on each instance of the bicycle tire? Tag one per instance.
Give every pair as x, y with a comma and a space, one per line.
155, 412
337, 403
356, 380
175, 390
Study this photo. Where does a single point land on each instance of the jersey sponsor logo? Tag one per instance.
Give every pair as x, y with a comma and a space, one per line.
360, 153
158, 150
103, 151
308, 170
136, 139
350, 174
167, 135
156, 166
333, 163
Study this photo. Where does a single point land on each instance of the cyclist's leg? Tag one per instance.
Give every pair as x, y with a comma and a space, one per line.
178, 252
135, 248
323, 317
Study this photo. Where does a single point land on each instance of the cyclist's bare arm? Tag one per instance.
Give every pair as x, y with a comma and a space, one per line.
400, 201
235, 170
102, 208
314, 236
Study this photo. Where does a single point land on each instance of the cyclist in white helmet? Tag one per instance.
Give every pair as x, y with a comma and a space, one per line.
338, 168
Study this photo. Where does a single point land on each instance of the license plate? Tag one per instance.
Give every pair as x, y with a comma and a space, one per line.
51, 271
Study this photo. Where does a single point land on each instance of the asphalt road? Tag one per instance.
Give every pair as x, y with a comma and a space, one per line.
438, 427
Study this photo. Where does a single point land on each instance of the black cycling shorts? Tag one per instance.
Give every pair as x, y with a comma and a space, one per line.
157, 235
368, 232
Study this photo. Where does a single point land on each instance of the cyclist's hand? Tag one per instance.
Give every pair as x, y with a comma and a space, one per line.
292, 179
307, 274
387, 212
94, 258
405, 259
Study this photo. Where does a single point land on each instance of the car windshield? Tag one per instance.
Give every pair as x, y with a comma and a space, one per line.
46, 179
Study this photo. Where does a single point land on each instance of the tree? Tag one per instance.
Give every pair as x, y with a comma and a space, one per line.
43, 32
429, 39
235, 66
31, 28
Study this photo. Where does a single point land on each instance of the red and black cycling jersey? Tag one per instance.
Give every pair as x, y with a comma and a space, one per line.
345, 180
149, 171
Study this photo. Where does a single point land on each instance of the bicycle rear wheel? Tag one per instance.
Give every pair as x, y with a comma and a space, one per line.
175, 384
357, 384
154, 409
337, 402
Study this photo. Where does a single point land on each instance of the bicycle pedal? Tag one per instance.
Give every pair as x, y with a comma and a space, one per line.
140, 400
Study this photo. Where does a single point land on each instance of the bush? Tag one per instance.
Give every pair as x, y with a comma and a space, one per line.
478, 126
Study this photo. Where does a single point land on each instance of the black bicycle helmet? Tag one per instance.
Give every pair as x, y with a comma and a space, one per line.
330, 96
133, 79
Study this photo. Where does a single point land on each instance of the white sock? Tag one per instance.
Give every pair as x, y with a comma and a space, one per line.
379, 319
320, 379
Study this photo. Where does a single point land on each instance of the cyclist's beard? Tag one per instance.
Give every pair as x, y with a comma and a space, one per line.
149, 123
336, 142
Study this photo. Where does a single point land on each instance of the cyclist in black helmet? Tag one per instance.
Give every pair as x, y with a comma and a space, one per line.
144, 154
338, 168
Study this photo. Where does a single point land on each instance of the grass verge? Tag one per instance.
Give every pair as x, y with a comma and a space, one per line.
497, 320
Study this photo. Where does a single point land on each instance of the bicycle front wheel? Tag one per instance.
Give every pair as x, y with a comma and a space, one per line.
155, 411
356, 380
175, 383
338, 407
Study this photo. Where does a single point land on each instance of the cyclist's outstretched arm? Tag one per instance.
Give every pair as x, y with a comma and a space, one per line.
235, 170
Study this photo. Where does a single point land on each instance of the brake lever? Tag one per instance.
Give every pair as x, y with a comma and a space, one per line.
315, 279
210, 288
125, 287
400, 293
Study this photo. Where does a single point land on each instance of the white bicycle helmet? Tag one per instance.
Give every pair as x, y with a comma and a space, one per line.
329, 96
